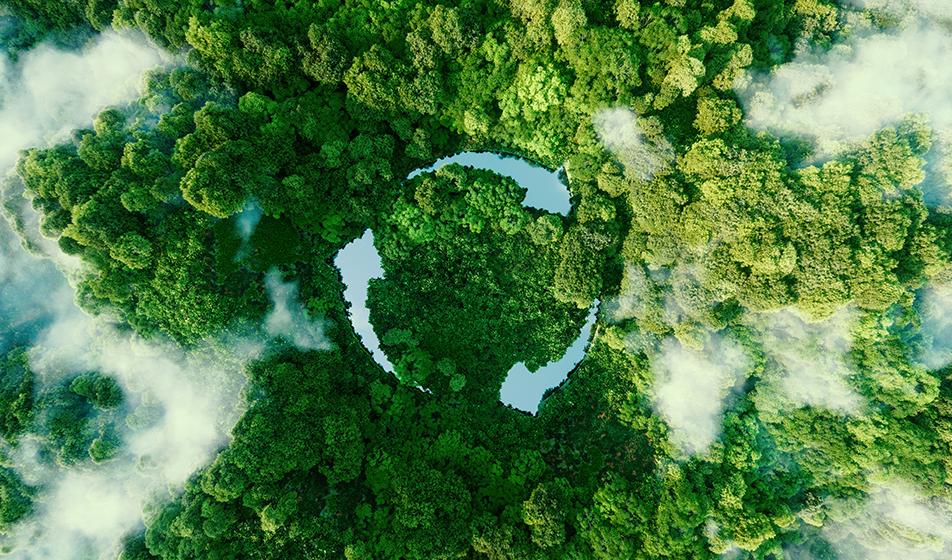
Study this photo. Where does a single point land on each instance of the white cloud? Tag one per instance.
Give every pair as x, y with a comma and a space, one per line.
245, 225
50, 92
894, 521
194, 399
841, 96
619, 130
936, 9
691, 386
812, 359
195, 396
30, 292
185, 403
635, 294
289, 319
189, 400
46, 94
837, 98
247, 221
935, 309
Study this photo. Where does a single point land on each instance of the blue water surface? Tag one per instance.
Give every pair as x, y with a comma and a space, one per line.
359, 261
523, 389
545, 189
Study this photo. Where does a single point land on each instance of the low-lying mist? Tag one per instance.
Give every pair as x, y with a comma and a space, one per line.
878, 77
811, 360
288, 319
180, 405
841, 96
619, 130
49, 92
691, 386
893, 521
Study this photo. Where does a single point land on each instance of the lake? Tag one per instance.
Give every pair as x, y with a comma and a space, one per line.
544, 189
523, 389
359, 262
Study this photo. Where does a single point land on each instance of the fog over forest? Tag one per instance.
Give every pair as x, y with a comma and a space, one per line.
178, 405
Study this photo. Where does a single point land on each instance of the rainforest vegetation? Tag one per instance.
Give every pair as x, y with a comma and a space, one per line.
317, 111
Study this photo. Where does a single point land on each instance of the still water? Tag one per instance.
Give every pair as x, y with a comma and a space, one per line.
359, 261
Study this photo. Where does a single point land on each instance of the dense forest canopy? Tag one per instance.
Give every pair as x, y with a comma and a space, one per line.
769, 377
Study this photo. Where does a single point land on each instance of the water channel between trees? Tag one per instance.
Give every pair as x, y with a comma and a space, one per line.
359, 262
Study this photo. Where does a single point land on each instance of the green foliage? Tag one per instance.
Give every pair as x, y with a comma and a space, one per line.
578, 278
74, 420
767, 237
101, 391
545, 513
16, 499
17, 404
459, 306
78, 419
124, 215
66, 14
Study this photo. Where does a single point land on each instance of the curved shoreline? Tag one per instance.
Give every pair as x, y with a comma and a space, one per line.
358, 262
545, 189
